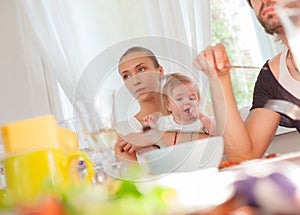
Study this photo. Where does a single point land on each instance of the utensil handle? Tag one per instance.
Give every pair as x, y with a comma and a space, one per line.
240, 67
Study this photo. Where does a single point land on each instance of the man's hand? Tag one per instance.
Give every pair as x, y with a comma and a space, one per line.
213, 61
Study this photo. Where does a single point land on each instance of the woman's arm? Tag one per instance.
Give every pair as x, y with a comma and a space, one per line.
138, 141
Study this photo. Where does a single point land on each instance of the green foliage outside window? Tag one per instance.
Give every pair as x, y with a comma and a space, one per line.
225, 30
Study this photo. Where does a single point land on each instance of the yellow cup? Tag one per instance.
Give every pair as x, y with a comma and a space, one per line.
28, 173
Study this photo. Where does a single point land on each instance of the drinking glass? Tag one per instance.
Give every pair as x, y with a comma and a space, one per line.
106, 134
87, 146
289, 14
96, 130
104, 118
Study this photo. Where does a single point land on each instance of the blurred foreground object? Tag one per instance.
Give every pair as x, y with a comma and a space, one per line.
34, 158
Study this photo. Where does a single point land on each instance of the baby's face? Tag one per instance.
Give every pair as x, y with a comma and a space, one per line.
183, 102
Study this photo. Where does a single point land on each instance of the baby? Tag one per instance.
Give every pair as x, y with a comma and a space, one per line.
182, 98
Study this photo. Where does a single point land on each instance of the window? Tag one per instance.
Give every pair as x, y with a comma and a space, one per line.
235, 25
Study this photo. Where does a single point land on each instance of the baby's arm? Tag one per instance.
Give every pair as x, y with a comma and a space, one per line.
208, 123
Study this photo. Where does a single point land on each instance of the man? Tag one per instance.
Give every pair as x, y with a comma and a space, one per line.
278, 79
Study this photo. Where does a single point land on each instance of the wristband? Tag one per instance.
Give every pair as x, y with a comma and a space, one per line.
160, 144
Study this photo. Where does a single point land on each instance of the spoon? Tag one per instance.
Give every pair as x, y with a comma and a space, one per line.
240, 67
244, 67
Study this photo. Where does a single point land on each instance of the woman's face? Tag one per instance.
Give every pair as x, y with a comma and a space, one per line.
140, 76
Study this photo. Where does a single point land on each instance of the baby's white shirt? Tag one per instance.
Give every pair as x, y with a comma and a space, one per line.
167, 123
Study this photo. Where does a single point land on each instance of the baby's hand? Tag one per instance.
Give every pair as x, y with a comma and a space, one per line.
148, 120
195, 111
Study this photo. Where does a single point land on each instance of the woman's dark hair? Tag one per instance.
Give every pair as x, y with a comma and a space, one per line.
249, 2
147, 52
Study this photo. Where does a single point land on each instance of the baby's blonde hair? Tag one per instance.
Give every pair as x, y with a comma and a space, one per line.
173, 80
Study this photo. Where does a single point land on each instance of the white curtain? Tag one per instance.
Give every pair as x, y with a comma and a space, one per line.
70, 34
51, 28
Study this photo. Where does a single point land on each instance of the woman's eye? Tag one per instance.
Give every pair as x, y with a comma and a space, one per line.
126, 77
192, 98
142, 69
178, 99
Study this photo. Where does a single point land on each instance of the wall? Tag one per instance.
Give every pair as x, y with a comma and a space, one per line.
23, 89
285, 143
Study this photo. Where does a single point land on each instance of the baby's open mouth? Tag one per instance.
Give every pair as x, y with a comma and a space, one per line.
187, 110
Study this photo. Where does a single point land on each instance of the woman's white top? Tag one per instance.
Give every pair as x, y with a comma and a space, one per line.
130, 125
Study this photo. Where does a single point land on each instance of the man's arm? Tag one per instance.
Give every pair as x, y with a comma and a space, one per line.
242, 140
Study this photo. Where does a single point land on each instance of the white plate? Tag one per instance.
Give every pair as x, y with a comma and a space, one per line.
293, 157
184, 157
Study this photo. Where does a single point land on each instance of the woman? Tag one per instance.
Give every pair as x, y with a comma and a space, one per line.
142, 76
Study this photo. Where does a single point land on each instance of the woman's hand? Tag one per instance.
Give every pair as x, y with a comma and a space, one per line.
128, 147
213, 61
130, 142
121, 154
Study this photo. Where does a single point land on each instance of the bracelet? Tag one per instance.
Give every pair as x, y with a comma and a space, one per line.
157, 146
160, 144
